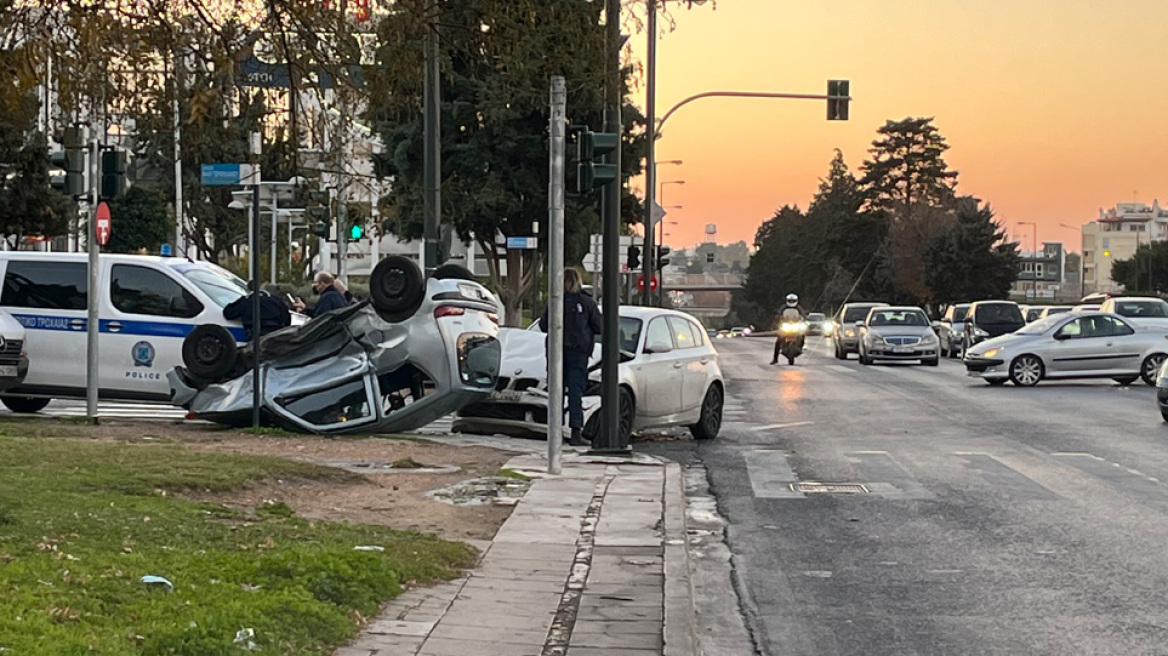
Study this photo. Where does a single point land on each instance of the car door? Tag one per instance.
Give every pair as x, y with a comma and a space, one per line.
1082, 346
49, 298
659, 382
1124, 352
691, 362
142, 330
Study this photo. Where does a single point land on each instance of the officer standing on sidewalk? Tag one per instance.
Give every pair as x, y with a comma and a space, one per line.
581, 328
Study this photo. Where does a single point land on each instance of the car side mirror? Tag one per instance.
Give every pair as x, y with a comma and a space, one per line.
861, 324
947, 320
658, 346
1061, 336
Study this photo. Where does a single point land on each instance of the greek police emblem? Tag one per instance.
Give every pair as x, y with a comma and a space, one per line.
143, 354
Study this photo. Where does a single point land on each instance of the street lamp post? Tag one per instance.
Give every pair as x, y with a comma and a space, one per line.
649, 257
660, 293
1033, 255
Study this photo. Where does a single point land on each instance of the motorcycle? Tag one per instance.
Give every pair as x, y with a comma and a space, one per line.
793, 334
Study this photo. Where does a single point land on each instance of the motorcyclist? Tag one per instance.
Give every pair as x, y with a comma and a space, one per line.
792, 311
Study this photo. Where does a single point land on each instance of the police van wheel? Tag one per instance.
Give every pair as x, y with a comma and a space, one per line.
209, 352
397, 288
452, 272
24, 403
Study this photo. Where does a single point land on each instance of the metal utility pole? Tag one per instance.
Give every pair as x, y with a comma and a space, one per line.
608, 438
649, 254
555, 419
432, 135
91, 323
254, 265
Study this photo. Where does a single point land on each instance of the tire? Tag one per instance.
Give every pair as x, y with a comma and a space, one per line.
1026, 371
996, 382
1150, 369
710, 421
452, 272
1125, 380
932, 363
24, 403
209, 352
627, 411
1164, 415
397, 288
839, 352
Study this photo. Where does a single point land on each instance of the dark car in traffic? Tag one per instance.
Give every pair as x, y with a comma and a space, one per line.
986, 319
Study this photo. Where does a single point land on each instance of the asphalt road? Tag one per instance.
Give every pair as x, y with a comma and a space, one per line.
990, 520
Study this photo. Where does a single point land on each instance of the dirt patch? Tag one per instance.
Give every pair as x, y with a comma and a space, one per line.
396, 499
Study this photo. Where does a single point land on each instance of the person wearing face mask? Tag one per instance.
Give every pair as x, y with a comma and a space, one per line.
331, 298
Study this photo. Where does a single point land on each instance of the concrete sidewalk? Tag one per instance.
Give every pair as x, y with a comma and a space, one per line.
590, 562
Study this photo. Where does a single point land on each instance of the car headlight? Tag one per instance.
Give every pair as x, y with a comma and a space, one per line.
978, 332
849, 333
992, 352
876, 339
929, 338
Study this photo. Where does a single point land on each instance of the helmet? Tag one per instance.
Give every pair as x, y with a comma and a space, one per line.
792, 299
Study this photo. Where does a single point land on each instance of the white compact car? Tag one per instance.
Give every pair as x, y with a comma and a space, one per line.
669, 376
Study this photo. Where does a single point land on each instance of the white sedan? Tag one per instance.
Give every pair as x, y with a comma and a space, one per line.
669, 376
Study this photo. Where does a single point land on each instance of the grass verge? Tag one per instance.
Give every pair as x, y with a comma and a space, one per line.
82, 522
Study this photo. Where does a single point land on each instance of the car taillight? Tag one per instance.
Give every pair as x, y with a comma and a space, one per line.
495, 318
448, 311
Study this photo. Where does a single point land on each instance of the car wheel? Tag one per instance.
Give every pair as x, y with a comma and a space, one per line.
710, 421
1151, 367
840, 353
209, 352
996, 382
24, 403
397, 288
1125, 380
1026, 371
452, 271
628, 408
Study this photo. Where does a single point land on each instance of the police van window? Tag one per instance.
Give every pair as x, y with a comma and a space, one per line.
139, 290
46, 285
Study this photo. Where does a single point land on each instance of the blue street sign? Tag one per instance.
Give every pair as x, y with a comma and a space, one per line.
219, 175
523, 243
165, 250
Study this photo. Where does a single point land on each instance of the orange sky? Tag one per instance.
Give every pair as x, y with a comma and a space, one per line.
1051, 109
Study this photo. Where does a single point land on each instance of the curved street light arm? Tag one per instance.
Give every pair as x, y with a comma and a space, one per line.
736, 94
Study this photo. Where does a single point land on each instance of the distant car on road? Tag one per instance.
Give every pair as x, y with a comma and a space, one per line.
986, 319
1051, 310
1086, 307
818, 324
668, 376
897, 333
951, 330
1030, 312
1141, 311
741, 331
1070, 345
845, 338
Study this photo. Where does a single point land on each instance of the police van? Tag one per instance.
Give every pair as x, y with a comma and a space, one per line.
147, 305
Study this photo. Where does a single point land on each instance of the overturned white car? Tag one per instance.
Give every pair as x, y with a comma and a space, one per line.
419, 350
669, 376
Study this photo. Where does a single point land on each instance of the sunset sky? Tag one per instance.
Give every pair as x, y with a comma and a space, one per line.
1052, 110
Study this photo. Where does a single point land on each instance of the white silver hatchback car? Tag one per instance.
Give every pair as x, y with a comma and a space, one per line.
669, 376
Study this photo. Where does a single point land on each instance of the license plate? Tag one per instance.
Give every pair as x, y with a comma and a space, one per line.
902, 349
7, 371
506, 395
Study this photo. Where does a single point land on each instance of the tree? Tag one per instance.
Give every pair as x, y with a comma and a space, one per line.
970, 260
140, 221
497, 58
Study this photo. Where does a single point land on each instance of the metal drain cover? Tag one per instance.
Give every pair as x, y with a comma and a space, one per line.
829, 488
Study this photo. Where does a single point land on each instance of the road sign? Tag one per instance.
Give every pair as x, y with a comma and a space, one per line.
522, 243
220, 175
641, 283
101, 224
165, 251
656, 213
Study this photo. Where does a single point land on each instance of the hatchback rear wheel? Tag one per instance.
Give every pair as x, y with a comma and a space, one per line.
1026, 371
710, 421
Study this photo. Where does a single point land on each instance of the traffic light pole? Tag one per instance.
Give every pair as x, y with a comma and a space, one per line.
91, 324
432, 136
649, 260
608, 438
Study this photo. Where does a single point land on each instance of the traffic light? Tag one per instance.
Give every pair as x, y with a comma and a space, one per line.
837, 100
72, 161
356, 231
318, 209
113, 174
662, 257
633, 257
590, 146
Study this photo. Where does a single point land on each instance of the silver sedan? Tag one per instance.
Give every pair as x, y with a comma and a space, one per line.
897, 333
1071, 345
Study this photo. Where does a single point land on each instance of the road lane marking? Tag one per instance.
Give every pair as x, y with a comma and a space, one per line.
840, 368
788, 425
771, 475
1124, 479
1015, 484
890, 480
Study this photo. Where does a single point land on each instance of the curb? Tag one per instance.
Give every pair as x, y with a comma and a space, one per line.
680, 630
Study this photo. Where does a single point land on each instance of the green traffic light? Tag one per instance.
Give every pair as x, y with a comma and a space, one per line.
357, 231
